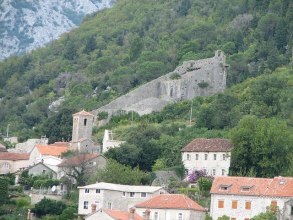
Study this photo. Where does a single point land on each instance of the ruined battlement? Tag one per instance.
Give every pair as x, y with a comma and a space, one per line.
191, 79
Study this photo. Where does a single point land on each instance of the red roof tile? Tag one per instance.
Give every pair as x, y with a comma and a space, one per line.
121, 215
83, 112
13, 156
170, 201
276, 187
78, 159
53, 149
208, 145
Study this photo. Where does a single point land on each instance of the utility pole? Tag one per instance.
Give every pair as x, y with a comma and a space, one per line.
190, 117
131, 118
7, 131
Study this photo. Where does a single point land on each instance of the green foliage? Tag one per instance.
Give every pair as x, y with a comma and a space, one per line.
262, 145
3, 190
224, 217
68, 213
48, 206
122, 174
269, 215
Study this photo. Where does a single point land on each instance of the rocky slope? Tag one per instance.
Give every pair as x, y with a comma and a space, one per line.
29, 24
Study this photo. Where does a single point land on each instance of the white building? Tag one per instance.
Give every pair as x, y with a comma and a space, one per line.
113, 196
245, 197
171, 207
211, 155
109, 142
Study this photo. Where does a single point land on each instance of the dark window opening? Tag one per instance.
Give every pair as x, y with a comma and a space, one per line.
84, 122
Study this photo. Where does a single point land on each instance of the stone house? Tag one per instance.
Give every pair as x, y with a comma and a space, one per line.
109, 214
40, 168
211, 155
84, 163
171, 207
246, 197
13, 162
113, 196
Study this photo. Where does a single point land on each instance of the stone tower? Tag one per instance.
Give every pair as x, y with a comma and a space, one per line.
82, 126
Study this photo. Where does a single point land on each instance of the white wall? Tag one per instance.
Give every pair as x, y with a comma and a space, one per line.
258, 205
191, 163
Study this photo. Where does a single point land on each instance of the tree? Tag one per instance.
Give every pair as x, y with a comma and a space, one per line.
115, 172
48, 206
3, 190
269, 215
262, 145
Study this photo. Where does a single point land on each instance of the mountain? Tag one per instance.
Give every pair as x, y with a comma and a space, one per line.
121, 48
28, 24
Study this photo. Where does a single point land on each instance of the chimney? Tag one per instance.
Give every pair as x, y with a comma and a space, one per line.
131, 213
147, 215
94, 207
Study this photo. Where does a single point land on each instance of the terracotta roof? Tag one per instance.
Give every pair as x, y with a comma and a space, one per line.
78, 159
208, 145
13, 156
121, 215
171, 201
83, 112
53, 149
276, 187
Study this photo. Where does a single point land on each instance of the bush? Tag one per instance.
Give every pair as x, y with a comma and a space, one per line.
48, 206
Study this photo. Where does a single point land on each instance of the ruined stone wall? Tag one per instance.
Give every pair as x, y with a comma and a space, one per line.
193, 78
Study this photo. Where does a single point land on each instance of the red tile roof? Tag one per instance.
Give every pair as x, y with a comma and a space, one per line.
276, 187
121, 215
83, 112
170, 201
208, 145
13, 156
78, 159
53, 149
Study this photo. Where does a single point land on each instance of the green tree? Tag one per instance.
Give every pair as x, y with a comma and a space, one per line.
269, 215
49, 206
3, 190
262, 145
115, 172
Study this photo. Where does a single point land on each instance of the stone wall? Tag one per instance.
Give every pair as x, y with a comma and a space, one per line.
193, 78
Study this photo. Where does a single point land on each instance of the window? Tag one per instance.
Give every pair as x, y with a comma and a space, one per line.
109, 205
123, 194
224, 156
187, 156
131, 194
143, 194
234, 204
214, 172
215, 156
274, 205
98, 191
291, 210
156, 216
248, 205
44, 171
223, 172
206, 156
247, 219
196, 156
87, 190
233, 218
84, 121
180, 216
85, 205
245, 188
221, 204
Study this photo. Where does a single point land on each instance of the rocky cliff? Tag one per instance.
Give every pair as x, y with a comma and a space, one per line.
29, 24
193, 78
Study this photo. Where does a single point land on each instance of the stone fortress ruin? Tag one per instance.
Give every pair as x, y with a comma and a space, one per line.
193, 78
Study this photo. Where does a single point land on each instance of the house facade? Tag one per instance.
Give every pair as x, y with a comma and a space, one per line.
246, 197
41, 169
85, 163
211, 155
171, 207
113, 196
109, 214
13, 162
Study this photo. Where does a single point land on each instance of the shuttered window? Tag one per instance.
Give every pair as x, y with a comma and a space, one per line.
221, 204
234, 204
248, 205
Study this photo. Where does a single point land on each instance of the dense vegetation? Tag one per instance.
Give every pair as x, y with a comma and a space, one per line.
136, 41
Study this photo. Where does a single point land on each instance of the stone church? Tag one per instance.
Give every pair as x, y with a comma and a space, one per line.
82, 133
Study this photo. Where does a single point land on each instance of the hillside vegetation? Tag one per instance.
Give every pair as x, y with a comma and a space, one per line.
120, 48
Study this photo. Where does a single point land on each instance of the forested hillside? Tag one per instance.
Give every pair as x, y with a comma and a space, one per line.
120, 48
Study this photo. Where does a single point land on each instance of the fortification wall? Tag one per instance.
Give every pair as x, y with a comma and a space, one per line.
193, 78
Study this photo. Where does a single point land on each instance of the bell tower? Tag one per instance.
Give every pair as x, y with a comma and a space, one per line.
82, 126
